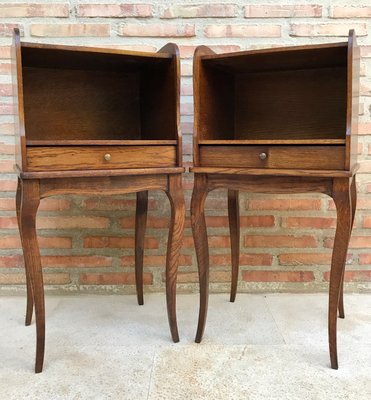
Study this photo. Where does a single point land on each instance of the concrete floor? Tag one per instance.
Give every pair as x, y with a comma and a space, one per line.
261, 347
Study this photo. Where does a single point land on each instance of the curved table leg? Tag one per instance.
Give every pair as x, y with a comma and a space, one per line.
174, 244
199, 231
353, 194
342, 197
29, 307
234, 229
140, 229
29, 205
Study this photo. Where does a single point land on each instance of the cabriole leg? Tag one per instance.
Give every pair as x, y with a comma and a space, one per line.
234, 229
174, 244
140, 229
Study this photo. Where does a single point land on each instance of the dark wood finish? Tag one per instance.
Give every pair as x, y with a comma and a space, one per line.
140, 230
96, 122
276, 121
234, 229
277, 157
66, 158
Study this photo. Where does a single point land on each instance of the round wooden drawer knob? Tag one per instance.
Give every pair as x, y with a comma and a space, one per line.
263, 156
107, 157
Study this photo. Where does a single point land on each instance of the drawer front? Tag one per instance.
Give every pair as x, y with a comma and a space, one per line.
280, 157
66, 158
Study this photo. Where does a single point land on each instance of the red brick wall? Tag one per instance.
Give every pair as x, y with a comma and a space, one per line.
87, 243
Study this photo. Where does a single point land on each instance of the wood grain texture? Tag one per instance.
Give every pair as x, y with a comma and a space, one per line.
199, 232
29, 205
275, 172
140, 229
29, 306
93, 157
234, 229
98, 173
353, 82
342, 198
17, 89
174, 244
277, 157
353, 197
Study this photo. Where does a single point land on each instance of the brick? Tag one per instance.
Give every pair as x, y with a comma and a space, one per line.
257, 221
9, 10
362, 204
284, 204
11, 261
71, 222
192, 277
278, 276
187, 51
7, 148
52, 204
7, 204
7, 129
367, 222
6, 109
352, 276
8, 185
245, 259
280, 241
309, 30
121, 10
200, 11
364, 128
14, 242
117, 242
76, 261
305, 258
49, 279
155, 261
283, 11
365, 51
5, 52
152, 222
69, 30
157, 30
8, 223
113, 278
365, 258
107, 203
356, 242
12, 279
6, 89
350, 12
214, 241
256, 31
6, 30
309, 222
7, 166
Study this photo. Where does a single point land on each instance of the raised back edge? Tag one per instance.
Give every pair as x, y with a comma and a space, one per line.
353, 61
173, 50
197, 79
17, 87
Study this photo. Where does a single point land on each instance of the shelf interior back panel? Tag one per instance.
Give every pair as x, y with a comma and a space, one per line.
293, 104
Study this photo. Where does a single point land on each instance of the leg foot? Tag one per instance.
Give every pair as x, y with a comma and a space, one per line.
199, 231
174, 244
342, 198
234, 229
140, 229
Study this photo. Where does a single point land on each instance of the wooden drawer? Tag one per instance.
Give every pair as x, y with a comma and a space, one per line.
64, 158
289, 157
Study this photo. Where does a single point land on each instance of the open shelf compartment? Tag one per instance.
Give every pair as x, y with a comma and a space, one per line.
279, 101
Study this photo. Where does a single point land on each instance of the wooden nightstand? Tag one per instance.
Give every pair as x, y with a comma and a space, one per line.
97, 122
279, 120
